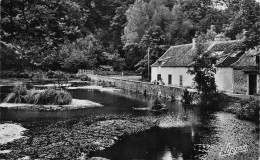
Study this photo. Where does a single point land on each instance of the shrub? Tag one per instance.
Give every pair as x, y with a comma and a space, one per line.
33, 97
18, 94
187, 97
14, 74
214, 101
249, 110
49, 96
57, 97
62, 97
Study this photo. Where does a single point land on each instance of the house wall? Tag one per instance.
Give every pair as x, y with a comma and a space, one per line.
187, 79
240, 82
224, 79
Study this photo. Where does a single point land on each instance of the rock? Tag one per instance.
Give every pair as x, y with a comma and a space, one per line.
25, 158
5, 151
98, 158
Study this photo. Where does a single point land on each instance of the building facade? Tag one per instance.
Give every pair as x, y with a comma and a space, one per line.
237, 71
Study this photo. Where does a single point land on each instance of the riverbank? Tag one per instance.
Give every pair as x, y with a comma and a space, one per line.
84, 137
10, 132
75, 104
245, 109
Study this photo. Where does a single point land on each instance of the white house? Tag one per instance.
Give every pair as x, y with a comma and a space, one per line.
237, 72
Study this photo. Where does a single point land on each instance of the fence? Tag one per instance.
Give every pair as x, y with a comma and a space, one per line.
85, 72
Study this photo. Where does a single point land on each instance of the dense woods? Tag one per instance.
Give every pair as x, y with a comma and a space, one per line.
68, 34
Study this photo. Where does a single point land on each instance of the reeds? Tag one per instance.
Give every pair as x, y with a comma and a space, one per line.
18, 94
49, 96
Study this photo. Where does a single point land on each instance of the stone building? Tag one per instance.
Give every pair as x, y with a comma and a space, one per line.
237, 71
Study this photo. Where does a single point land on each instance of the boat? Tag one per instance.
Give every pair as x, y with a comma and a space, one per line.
161, 108
141, 109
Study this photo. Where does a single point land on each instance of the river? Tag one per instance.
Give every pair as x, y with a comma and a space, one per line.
184, 131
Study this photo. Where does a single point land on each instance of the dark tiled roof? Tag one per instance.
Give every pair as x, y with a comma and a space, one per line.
247, 62
182, 55
231, 59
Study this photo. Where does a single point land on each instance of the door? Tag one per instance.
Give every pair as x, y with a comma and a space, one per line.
159, 77
252, 84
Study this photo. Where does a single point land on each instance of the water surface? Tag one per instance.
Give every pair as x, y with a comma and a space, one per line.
184, 131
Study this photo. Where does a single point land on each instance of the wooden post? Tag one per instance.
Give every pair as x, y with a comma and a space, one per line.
148, 63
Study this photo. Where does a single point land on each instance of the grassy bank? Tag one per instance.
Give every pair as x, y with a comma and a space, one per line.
245, 109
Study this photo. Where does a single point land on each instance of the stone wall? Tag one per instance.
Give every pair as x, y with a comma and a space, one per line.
141, 87
240, 82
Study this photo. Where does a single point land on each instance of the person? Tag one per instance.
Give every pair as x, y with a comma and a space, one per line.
161, 82
180, 156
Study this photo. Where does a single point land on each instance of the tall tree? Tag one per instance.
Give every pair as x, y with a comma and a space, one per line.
153, 42
37, 27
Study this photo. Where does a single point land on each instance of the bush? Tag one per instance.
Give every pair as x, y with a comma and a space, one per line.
18, 94
49, 96
214, 101
249, 110
56, 97
62, 97
14, 74
187, 97
32, 97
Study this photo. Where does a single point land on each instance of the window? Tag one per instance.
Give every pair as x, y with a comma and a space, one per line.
159, 77
181, 80
169, 79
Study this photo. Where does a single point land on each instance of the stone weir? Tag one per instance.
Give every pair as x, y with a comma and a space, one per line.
146, 88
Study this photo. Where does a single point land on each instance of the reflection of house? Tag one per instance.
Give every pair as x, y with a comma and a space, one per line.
237, 72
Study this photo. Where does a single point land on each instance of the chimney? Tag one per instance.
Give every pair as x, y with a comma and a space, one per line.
194, 43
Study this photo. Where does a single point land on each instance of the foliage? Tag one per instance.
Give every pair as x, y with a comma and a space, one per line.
48, 34
153, 42
249, 110
49, 96
203, 70
35, 27
214, 101
18, 94
245, 18
14, 74
81, 54
187, 97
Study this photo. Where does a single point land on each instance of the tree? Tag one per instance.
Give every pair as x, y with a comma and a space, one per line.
137, 22
36, 28
245, 18
84, 53
203, 70
154, 41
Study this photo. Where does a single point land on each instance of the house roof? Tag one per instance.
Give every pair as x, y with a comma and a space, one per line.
182, 55
247, 61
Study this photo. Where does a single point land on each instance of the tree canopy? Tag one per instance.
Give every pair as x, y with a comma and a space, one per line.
51, 34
